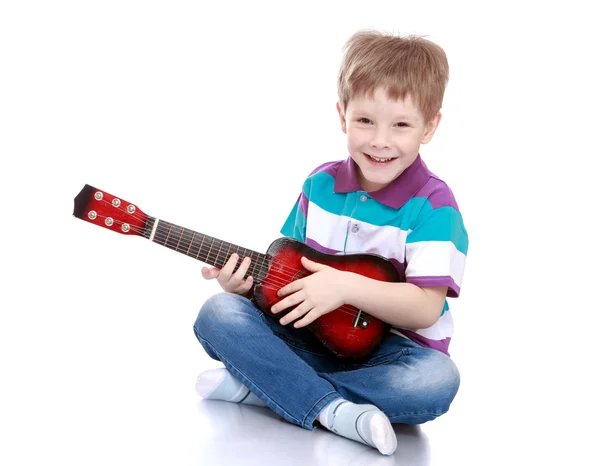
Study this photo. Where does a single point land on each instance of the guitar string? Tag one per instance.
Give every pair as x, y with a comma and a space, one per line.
291, 271
271, 284
141, 231
274, 284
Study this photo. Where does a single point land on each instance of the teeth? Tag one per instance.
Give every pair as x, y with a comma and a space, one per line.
380, 160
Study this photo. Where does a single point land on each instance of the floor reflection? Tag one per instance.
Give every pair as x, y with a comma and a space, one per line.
235, 434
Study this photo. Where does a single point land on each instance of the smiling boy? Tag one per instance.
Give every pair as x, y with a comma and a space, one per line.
382, 199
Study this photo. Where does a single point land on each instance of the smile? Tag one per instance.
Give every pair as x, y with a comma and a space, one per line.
378, 159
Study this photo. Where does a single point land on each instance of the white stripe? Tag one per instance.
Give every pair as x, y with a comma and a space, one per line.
435, 259
325, 228
396, 332
330, 230
442, 329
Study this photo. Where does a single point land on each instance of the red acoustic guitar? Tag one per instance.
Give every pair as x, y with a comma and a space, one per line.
347, 331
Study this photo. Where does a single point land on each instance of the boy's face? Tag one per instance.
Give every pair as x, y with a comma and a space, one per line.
384, 136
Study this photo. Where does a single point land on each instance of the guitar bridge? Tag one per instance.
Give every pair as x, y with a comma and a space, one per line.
361, 320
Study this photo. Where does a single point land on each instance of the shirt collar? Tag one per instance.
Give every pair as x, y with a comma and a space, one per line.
395, 194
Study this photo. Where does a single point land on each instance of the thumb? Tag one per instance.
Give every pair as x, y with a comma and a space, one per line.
310, 265
209, 274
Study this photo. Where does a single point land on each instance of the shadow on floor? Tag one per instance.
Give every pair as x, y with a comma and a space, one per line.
232, 434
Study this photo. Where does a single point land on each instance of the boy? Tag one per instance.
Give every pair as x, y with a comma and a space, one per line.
382, 199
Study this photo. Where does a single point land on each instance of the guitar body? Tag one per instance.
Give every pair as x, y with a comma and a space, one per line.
340, 330
347, 331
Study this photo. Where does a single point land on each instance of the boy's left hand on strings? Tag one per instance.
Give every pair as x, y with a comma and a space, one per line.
314, 295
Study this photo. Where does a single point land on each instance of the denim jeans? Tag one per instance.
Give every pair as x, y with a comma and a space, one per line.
291, 371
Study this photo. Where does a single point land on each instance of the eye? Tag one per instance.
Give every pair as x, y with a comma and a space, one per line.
364, 120
402, 124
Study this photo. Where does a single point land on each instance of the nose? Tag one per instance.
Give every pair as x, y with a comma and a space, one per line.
380, 139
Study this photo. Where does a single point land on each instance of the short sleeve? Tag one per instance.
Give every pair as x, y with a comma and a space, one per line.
436, 250
295, 225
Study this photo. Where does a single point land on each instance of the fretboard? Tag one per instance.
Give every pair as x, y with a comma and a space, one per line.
211, 251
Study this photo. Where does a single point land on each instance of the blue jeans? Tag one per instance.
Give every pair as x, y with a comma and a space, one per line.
290, 370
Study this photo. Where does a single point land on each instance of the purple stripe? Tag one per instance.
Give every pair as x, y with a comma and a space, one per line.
400, 267
313, 244
438, 194
303, 204
406, 186
328, 167
440, 345
453, 288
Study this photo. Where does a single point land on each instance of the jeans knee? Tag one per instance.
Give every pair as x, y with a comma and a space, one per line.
425, 394
446, 387
221, 313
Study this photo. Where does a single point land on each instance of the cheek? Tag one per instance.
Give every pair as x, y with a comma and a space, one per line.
354, 139
408, 144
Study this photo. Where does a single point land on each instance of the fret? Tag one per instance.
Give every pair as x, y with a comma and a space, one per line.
167, 237
241, 256
228, 253
179, 239
162, 232
211, 251
208, 259
200, 247
172, 240
217, 259
254, 263
262, 266
187, 253
203, 255
182, 242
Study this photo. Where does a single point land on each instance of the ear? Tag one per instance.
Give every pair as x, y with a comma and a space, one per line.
430, 128
342, 117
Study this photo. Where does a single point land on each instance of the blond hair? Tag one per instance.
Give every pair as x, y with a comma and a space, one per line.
409, 65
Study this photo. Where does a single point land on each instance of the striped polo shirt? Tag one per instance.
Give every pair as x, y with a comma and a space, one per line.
414, 222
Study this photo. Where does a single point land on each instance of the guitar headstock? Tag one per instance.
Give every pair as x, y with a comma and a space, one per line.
103, 209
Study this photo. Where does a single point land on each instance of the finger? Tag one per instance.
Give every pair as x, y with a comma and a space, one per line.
308, 318
227, 269
296, 313
290, 301
241, 271
290, 288
209, 274
245, 286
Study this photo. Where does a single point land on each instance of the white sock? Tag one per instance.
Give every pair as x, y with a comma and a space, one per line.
219, 384
363, 423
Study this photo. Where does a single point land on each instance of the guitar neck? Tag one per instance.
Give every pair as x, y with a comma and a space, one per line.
206, 249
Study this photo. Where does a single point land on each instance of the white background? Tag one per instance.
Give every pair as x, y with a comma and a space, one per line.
210, 115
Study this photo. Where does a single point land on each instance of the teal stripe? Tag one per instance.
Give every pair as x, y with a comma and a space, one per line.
443, 224
295, 225
417, 215
446, 308
319, 190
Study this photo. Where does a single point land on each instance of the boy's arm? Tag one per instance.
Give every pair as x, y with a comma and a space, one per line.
435, 255
399, 304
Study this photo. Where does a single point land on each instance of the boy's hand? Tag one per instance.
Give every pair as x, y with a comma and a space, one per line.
316, 295
229, 281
